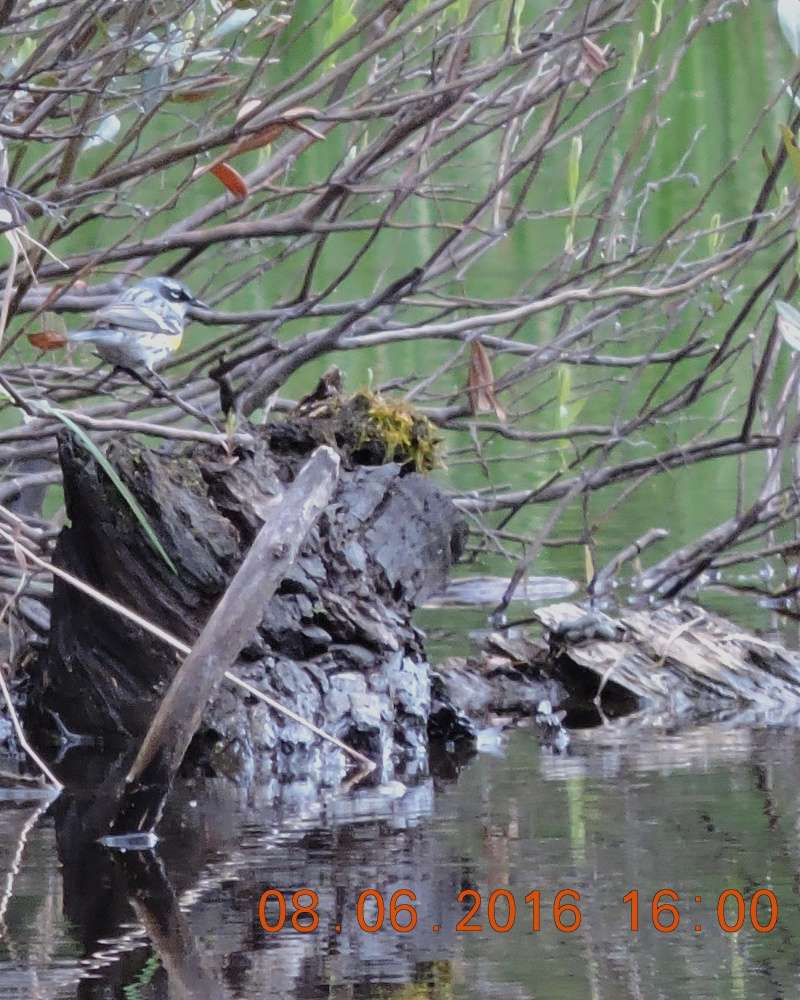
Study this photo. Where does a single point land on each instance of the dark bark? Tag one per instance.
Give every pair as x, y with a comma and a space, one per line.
335, 643
232, 624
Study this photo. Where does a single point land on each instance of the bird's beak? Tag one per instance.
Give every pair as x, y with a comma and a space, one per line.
198, 304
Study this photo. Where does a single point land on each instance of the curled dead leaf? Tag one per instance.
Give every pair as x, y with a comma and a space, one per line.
257, 139
47, 340
231, 179
271, 130
248, 108
292, 117
205, 87
224, 172
594, 61
279, 21
480, 383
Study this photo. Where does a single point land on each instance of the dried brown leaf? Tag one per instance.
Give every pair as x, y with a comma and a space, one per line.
47, 340
594, 61
248, 108
480, 383
256, 140
224, 172
232, 179
270, 131
279, 21
206, 87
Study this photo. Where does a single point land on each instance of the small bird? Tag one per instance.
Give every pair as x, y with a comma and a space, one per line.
142, 326
789, 18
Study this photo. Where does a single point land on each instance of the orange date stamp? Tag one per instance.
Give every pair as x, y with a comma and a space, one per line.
499, 911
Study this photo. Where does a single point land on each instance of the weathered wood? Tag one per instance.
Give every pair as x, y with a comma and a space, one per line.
288, 518
476, 591
335, 643
680, 660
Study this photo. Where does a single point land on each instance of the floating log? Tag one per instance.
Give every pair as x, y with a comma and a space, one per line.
487, 591
677, 659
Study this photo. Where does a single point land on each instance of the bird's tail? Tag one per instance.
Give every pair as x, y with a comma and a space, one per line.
100, 336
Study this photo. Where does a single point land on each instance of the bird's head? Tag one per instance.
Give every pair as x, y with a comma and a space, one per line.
173, 291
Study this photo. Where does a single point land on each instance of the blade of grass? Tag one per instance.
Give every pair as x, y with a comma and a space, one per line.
122, 489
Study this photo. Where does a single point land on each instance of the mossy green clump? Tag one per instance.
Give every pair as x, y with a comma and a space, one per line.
403, 434
366, 428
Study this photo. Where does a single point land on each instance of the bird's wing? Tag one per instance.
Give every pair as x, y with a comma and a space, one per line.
136, 317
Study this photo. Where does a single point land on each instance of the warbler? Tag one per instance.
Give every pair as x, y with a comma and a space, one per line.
142, 326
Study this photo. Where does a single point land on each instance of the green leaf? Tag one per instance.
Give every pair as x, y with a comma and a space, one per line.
638, 48
574, 168
133, 991
516, 28
564, 385
113, 475
342, 20
714, 237
588, 564
658, 19
791, 150
567, 410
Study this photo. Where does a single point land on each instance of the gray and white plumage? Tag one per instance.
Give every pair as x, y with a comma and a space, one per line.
142, 326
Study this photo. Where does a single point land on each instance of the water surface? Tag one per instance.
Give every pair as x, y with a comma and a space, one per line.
701, 812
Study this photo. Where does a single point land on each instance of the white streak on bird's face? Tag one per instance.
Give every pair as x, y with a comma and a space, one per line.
789, 18
170, 290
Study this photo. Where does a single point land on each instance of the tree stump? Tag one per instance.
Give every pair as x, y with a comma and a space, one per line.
335, 644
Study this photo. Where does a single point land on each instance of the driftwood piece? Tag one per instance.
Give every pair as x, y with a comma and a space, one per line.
677, 660
486, 591
287, 520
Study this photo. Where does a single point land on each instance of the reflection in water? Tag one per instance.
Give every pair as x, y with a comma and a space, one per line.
629, 807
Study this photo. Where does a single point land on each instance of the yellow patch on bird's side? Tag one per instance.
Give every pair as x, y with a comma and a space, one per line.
171, 341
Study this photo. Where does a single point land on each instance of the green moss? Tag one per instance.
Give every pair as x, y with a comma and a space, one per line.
365, 428
404, 434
